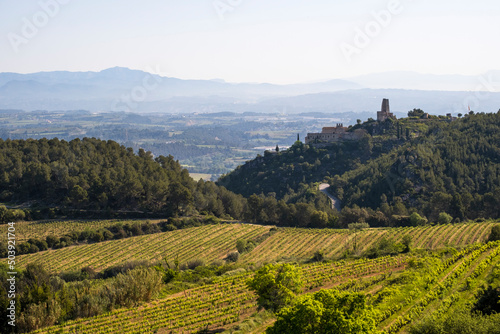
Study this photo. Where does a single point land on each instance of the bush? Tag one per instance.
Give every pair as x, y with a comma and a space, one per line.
444, 218
233, 257
122, 268
244, 246
193, 264
51, 240
488, 301
495, 233
326, 311
383, 248
406, 242
417, 220
136, 285
318, 256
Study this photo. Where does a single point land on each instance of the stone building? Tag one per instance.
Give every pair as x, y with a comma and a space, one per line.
334, 134
385, 111
340, 133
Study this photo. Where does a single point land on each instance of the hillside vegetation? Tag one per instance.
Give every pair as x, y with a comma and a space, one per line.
402, 291
434, 167
95, 177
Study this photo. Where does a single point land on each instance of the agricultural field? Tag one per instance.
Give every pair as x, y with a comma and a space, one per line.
200, 176
225, 302
209, 242
290, 244
215, 242
401, 289
41, 229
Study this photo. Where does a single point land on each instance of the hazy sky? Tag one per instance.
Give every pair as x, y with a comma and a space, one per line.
278, 41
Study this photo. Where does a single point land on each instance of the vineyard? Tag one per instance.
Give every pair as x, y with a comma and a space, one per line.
297, 244
210, 242
402, 289
225, 302
216, 241
42, 229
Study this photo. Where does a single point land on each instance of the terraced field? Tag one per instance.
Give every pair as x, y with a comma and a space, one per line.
294, 243
209, 242
452, 279
42, 229
228, 301
215, 241
221, 304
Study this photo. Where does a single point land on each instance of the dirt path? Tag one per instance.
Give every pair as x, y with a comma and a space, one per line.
336, 204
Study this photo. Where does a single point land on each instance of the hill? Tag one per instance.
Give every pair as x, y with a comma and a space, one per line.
430, 166
92, 177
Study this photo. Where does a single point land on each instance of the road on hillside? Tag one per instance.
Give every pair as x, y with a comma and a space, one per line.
324, 188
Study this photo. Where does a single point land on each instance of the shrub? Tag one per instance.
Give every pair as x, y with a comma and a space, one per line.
444, 218
318, 256
417, 220
326, 311
51, 240
495, 233
193, 264
233, 257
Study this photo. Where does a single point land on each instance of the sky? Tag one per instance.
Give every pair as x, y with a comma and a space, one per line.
275, 41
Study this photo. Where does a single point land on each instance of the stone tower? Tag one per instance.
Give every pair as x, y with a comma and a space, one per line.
385, 106
385, 111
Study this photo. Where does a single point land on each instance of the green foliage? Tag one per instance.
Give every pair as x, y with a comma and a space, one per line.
101, 176
244, 246
276, 285
495, 233
384, 247
459, 322
318, 256
488, 300
11, 215
326, 311
416, 113
444, 218
232, 257
417, 220
406, 242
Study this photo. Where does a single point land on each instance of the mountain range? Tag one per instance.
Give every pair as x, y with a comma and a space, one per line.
122, 89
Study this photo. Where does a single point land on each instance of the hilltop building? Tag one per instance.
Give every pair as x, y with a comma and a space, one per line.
385, 111
334, 134
340, 133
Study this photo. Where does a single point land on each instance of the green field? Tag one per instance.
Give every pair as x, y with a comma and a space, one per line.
448, 265
228, 301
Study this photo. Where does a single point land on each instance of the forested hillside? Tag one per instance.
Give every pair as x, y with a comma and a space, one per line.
454, 167
405, 166
95, 178
102, 176
283, 173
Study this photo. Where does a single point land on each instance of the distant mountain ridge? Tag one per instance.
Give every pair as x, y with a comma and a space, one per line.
123, 89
